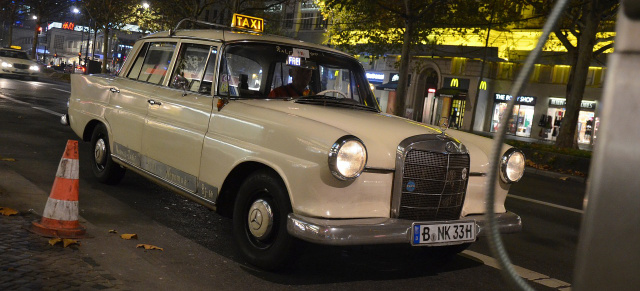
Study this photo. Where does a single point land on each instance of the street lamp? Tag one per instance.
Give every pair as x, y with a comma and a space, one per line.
145, 5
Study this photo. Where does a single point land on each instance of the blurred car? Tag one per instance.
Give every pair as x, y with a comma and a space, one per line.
18, 63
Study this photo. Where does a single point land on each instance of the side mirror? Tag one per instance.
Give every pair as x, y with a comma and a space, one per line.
180, 82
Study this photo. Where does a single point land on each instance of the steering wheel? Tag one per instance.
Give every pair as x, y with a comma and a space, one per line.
333, 91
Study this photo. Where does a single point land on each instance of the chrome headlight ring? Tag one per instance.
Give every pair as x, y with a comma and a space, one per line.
512, 165
347, 158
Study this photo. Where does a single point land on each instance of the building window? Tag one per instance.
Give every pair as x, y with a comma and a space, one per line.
505, 71
560, 74
307, 19
458, 65
288, 21
321, 23
595, 76
58, 42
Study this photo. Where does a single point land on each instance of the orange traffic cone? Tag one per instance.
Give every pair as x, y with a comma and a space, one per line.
60, 216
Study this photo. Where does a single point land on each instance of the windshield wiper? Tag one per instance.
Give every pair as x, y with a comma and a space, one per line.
333, 101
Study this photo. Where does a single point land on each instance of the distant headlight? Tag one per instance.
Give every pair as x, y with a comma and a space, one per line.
512, 165
34, 68
6, 65
347, 158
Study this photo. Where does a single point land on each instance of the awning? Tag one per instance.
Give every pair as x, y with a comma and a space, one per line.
391, 86
452, 93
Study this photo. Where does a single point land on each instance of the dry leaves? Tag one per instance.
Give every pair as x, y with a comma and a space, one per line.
65, 241
7, 159
149, 247
7, 211
113, 231
129, 236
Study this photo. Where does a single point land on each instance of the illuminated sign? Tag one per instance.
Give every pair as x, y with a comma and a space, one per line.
68, 25
395, 77
431, 90
17, 47
375, 77
293, 61
483, 85
456, 83
248, 22
527, 100
560, 102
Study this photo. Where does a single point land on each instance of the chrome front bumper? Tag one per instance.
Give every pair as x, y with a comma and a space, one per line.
377, 230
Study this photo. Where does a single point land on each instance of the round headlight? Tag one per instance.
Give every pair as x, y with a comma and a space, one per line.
512, 165
347, 158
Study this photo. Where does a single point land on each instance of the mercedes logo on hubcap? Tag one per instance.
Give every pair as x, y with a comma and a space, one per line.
256, 219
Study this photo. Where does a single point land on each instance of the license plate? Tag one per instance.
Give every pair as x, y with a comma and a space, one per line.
443, 233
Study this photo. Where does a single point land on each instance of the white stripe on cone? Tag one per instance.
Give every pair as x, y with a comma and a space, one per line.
68, 168
61, 210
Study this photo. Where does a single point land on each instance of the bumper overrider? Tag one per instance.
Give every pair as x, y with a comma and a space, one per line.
379, 230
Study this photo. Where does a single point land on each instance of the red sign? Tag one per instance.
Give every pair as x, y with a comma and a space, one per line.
68, 25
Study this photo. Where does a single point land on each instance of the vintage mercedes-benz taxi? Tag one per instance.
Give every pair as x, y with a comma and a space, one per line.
220, 117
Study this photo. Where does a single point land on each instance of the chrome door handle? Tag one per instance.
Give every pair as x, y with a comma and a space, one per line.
114, 90
154, 102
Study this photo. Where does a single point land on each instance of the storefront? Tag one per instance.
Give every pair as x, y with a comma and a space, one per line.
587, 121
521, 121
451, 101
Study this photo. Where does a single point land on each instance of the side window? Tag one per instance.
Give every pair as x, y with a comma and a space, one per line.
191, 65
134, 73
240, 76
156, 63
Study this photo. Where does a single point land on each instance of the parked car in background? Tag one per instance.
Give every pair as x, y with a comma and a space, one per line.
14, 62
190, 110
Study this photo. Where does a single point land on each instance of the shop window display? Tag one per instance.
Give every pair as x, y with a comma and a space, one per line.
519, 122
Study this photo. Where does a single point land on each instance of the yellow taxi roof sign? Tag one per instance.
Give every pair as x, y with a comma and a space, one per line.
16, 47
247, 22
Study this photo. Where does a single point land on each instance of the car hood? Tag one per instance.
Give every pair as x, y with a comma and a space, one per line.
381, 133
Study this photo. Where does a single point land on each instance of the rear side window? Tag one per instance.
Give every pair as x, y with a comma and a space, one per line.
152, 62
191, 65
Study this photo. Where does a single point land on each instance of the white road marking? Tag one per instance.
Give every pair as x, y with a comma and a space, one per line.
546, 203
524, 273
28, 104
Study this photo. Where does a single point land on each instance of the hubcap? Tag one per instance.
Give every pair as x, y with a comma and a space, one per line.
99, 152
260, 219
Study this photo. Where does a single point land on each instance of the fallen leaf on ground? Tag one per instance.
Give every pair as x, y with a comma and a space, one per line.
113, 231
149, 247
8, 159
65, 241
7, 211
129, 236
563, 178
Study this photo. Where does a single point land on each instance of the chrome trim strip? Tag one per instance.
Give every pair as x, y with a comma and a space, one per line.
342, 232
378, 170
477, 174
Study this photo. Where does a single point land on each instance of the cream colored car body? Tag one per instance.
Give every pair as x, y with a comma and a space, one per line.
190, 145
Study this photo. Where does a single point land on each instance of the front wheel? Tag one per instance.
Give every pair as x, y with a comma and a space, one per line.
104, 168
260, 221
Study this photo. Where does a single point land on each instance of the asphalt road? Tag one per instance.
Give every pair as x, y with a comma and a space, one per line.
199, 250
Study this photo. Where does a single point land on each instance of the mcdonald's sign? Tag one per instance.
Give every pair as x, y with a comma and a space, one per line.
483, 85
455, 83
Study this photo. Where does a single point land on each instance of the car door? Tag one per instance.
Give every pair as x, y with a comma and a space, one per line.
178, 117
130, 94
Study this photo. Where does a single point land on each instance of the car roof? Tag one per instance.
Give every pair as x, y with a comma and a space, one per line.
230, 36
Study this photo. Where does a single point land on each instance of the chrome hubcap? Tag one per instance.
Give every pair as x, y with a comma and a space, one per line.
99, 152
260, 219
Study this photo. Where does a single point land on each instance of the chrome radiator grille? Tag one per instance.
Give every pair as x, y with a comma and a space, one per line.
21, 66
433, 185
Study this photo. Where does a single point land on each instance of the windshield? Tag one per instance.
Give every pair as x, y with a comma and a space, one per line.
259, 70
14, 54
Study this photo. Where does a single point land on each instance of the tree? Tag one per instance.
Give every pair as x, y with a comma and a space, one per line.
379, 27
109, 15
9, 11
176, 10
582, 21
44, 11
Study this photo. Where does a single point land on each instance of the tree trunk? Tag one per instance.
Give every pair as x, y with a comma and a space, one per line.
34, 47
567, 137
105, 52
405, 58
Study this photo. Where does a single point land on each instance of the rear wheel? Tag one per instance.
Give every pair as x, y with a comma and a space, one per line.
104, 168
260, 221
